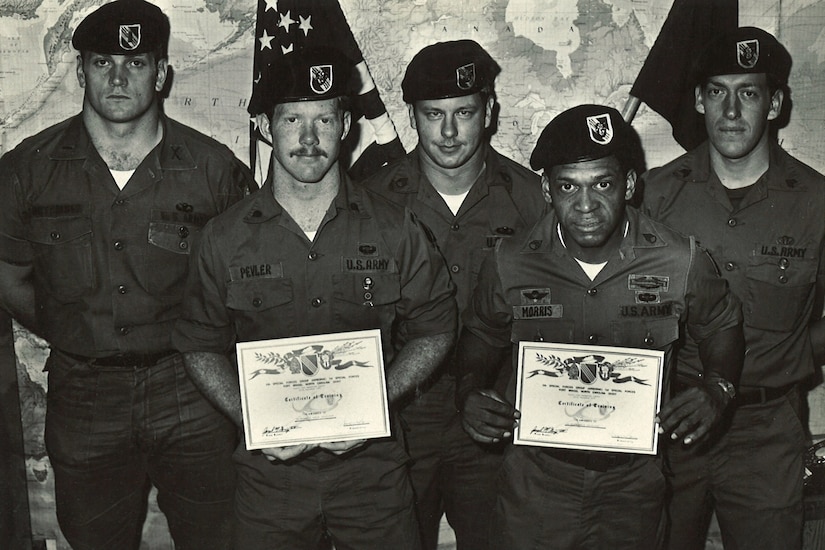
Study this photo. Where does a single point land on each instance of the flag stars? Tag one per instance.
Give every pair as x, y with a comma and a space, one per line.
286, 21
287, 49
306, 24
266, 41
271, 5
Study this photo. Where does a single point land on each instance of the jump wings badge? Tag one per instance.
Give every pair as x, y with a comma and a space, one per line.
129, 37
320, 78
747, 53
465, 76
601, 129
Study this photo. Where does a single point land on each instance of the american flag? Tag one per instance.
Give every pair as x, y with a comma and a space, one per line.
285, 27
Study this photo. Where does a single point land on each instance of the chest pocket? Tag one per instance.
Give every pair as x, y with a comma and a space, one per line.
776, 297
365, 308
63, 255
559, 331
645, 333
167, 259
261, 302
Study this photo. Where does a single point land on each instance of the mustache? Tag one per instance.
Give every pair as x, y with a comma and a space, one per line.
312, 152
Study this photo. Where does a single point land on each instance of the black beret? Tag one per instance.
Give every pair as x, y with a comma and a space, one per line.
123, 27
449, 69
580, 134
310, 74
743, 51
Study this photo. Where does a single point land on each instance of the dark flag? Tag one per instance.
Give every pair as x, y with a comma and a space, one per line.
285, 27
664, 81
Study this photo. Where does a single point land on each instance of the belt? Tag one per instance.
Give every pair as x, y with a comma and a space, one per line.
745, 395
123, 359
753, 395
591, 460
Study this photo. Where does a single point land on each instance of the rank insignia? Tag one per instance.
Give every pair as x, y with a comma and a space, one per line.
747, 53
320, 78
129, 37
601, 129
648, 283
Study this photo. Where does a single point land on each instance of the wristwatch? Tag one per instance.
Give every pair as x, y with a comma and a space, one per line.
727, 387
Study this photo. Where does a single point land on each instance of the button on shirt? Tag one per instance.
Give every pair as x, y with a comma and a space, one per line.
770, 249
258, 277
505, 202
109, 265
657, 282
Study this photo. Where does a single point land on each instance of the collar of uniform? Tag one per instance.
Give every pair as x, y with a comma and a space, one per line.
264, 207
782, 174
75, 142
174, 153
494, 172
641, 233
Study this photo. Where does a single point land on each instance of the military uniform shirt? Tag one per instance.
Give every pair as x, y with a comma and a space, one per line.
504, 202
110, 264
657, 282
371, 265
770, 250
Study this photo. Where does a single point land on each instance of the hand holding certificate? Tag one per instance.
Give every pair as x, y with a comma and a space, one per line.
314, 391
588, 397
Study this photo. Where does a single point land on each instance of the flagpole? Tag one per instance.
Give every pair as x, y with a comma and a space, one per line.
630, 108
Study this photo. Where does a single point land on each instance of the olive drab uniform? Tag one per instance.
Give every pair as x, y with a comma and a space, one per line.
770, 250
258, 277
533, 290
450, 472
108, 270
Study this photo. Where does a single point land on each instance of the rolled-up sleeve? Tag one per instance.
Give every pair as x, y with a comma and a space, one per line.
205, 324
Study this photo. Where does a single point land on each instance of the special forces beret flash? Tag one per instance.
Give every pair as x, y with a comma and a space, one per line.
123, 27
581, 134
448, 69
743, 51
310, 74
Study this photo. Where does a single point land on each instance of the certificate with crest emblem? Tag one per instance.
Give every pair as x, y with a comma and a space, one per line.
313, 389
593, 398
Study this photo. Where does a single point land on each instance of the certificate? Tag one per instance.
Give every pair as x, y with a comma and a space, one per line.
313, 389
593, 398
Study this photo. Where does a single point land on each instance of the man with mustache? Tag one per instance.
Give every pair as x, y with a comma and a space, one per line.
608, 276
470, 197
98, 216
759, 211
313, 254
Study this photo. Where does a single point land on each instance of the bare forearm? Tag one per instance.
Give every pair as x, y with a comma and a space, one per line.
817, 335
415, 362
216, 379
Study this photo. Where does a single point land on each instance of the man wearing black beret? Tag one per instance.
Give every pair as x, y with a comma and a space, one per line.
336, 258
471, 197
759, 211
98, 215
596, 264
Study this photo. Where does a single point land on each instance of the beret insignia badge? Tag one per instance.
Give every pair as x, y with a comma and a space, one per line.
320, 78
600, 128
747, 53
465, 76
129, 37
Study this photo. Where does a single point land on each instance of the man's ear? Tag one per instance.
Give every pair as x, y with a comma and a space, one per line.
545, 188
264, 125
699, 100
776, 104
347, 123
488, 112
631, 184
81, 74
411, 112
162, 73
